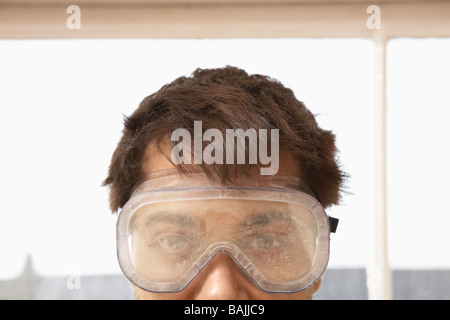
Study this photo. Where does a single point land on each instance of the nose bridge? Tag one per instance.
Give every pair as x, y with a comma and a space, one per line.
227, 256
222, 277
239, 259
223, 246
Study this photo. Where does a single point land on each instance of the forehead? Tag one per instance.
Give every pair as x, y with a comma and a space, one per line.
247, 213
157, 161
218, 206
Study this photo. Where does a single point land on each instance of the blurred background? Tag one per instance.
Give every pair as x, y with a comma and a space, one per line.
376, 73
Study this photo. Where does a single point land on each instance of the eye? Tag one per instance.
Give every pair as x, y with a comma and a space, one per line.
273, 247
265, 242
173, 242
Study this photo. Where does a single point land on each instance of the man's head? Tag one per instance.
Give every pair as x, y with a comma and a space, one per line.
224, 99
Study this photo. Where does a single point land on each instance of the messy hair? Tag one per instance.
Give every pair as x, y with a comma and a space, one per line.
225, 98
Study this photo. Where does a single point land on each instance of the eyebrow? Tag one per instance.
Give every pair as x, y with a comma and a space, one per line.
263, 219
172, 218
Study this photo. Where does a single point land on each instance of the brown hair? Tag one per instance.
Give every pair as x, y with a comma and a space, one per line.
225, 98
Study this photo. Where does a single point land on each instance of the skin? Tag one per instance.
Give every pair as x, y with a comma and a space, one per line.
222, 279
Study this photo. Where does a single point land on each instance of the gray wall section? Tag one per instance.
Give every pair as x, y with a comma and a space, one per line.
336, 284
407, 284
343, 284
114, 287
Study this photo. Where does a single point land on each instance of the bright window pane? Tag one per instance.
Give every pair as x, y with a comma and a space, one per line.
62, 104
418, 74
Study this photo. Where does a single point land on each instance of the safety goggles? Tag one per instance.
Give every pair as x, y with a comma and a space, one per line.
272, 227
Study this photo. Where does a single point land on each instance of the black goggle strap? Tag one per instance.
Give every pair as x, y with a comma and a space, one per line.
333, 222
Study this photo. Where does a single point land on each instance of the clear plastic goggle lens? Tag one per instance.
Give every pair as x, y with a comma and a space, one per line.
279, 237
167, 238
